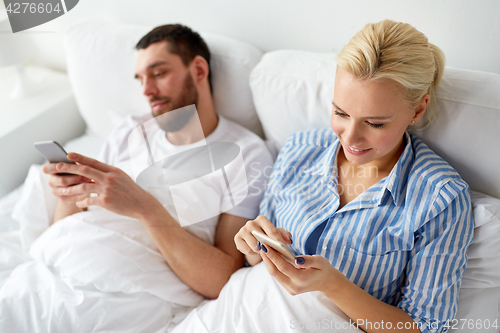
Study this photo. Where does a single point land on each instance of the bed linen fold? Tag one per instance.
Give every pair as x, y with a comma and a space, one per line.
94, 271
252, 301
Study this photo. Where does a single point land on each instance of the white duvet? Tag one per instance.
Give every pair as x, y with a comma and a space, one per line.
94, 271
99, 272
252, 301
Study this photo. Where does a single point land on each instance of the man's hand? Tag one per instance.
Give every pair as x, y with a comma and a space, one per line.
60, 184
115, 190
66, 203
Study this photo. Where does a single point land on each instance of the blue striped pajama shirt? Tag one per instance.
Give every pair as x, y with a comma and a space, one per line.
404, 240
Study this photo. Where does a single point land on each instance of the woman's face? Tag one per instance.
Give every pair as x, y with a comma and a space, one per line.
370, 118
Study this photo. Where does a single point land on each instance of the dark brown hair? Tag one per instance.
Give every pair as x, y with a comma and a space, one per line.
181, 41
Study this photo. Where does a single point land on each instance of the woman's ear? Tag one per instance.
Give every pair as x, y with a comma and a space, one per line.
199, 69
420, 109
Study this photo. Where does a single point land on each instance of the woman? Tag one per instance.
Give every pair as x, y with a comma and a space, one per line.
380, 223
384, 223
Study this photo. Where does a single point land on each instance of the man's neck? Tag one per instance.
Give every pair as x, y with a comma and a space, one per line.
192, 132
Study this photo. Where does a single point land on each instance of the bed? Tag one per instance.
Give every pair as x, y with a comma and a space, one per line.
273, 94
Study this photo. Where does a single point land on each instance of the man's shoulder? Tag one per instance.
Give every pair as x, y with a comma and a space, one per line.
251, 145
128, 123
230, 130
240, 135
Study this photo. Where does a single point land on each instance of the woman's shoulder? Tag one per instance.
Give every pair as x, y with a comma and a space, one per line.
323, 137
430, 173
305, 148
430, 165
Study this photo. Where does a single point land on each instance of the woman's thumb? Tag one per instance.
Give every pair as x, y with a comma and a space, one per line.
306, 261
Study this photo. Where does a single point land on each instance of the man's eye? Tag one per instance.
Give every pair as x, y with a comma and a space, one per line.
159, 74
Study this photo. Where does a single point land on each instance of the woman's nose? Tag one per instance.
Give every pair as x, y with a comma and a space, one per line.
353, 134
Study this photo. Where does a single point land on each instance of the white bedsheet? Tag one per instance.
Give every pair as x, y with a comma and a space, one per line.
94, 271
252, 301
37, 298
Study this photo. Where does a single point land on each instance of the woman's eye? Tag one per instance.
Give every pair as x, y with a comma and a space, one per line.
376, 125
340, 114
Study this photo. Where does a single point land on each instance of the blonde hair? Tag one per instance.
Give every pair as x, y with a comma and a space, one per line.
398, 52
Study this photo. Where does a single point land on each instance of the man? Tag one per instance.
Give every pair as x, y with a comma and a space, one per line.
173, 67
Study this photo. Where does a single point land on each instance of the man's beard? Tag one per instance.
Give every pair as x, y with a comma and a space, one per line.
175, 121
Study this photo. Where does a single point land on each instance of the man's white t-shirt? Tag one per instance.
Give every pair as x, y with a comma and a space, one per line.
225, 173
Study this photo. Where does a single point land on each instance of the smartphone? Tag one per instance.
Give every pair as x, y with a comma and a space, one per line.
53, 152
281, 247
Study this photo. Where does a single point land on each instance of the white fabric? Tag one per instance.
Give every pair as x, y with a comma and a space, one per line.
35, 209
98, 267
483, 265
293, 91
88, 145
117, 152
91, 271
252, 301
101, 53
483, 316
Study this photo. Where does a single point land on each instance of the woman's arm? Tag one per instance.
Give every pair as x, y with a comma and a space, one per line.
317, 274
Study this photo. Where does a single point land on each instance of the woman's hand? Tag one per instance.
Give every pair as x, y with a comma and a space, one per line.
116, 191
247, 244
311, 273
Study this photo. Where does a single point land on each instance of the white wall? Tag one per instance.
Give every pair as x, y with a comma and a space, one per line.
467, 31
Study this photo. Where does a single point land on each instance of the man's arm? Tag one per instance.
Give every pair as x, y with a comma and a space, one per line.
203, 267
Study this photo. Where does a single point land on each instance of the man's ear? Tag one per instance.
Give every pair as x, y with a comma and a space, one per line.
420, 109
199, 69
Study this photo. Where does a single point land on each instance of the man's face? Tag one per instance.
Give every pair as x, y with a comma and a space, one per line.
167, 84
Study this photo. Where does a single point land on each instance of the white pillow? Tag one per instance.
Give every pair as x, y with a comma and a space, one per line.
479, 296
483, 265
293, 91
477, 312
101, 59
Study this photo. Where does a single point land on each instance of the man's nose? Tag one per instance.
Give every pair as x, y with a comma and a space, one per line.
149, 87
